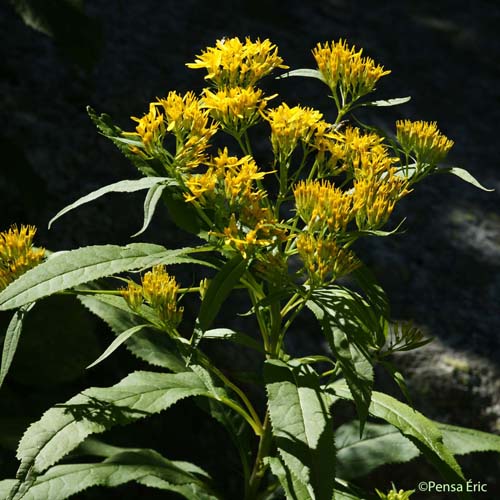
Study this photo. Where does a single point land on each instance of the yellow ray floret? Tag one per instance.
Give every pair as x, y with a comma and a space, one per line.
232, 63
17, 254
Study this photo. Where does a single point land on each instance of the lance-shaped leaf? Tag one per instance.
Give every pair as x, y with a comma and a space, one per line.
305, 72
395, 101
144, 466
384, 444
11, 340
302, 426
148, 345
464, 175
350, 327
153, 196
65, 426
128, 186
66, 270
421, 431
218, 290
293, 488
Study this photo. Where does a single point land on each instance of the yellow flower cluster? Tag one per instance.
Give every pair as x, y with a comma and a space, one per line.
346, 71
150, 129
324, 259
289, 126
232, 63
182, 116
236, 108
17, 254
377, 189
229, 186
159, 290
423, 139
322, 205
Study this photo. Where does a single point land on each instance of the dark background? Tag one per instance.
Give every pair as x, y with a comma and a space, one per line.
443, 272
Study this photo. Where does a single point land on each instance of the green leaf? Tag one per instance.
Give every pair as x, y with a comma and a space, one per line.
144, 466
236, 337
396, 101
461, 440
95, 410
64, 270
380, 444
306, 72
218, 290
423, 433
158, 350
183, 214
349, 326
6, 487
302, 426
294, 489
152, 198
11, 340
123, 337
128, 186
464, 175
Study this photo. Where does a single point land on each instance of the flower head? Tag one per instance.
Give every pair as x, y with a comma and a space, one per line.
236, 108
17, 254
345, 71
324, 259
232, 63
322, 205
289, 126
424, 140
150, 129
159, 290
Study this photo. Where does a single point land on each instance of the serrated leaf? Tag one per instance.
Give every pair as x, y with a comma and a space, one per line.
95, 410
153, 196
127, 186
462, 441
122, 338
396, 101
293, 488
302, 426
11, 340
63, 481
349, 327
158, 350
423, 433
68, 269
464, 175
379, 445
305, 72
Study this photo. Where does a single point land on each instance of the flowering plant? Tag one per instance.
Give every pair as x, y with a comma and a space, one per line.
284, 231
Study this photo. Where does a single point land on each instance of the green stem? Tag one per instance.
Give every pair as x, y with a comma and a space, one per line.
259, 468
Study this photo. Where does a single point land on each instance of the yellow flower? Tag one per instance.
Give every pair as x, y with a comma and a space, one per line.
345, 71
201, 186
236, 108
324, 259
150, 129
232, 63
424, 140
159, 290
289, 126
320, 204
375, 198
17, 254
